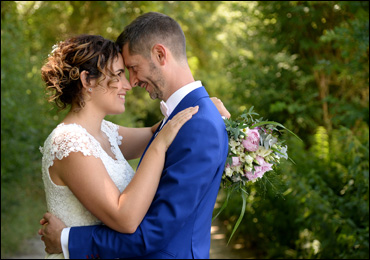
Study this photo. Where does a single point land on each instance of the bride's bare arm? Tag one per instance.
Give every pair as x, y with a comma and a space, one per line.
135, 140
88, 179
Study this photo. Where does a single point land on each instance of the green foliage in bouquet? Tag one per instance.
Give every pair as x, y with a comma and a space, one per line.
255, 148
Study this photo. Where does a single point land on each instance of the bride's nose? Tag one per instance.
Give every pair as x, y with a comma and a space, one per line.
126, 85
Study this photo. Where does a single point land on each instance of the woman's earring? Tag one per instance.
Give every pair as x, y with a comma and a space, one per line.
90, 89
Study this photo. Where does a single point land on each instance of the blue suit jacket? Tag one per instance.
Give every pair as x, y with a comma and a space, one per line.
178, 223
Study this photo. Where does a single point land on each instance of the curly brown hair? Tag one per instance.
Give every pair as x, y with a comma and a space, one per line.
61, 72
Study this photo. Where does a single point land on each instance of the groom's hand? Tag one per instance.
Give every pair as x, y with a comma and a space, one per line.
50, 233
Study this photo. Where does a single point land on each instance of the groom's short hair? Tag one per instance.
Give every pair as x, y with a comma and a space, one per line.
152, 28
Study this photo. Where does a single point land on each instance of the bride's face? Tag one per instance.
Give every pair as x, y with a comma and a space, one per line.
110, 95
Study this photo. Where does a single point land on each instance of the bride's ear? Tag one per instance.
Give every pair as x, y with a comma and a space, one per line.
85, 80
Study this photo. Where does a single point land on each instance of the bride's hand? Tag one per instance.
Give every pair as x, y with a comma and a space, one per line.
221, 108
172, 127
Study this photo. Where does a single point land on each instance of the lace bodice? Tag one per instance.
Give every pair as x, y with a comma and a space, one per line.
65, 139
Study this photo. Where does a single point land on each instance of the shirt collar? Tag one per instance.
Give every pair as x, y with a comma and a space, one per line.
176, 97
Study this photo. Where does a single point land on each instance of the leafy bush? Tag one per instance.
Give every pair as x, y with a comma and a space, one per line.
325, 210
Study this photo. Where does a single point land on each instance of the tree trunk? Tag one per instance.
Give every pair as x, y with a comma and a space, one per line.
323, 83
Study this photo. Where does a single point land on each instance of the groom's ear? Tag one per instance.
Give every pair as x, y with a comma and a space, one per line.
160, 53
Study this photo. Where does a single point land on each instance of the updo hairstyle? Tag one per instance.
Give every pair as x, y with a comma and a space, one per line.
61, 72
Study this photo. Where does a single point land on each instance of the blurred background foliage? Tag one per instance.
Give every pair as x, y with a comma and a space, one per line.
304, 64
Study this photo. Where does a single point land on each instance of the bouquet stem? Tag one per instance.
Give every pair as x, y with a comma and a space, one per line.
244, 197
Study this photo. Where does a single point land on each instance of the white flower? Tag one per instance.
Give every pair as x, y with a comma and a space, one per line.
245, 130
228, 172
238, 169
248, 168
236, 178
316, 245
234, 145
283, 152
263, 152
54, 48
269, 141
249, 159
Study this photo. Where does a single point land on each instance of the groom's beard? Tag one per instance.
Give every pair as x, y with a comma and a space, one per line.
156, 92
157, 81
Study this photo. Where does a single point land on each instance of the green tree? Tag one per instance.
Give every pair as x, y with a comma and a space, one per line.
305, 64
302, 63
29, 30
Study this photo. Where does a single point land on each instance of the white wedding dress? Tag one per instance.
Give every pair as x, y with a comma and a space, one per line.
65, 139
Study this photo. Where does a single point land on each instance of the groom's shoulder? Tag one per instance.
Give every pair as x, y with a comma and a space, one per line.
209, 109
208, 117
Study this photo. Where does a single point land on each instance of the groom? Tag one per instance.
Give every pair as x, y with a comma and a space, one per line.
178, 223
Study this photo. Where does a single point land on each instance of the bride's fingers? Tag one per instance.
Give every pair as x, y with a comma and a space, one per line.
179, 120
182, 117
185, 115
172, 127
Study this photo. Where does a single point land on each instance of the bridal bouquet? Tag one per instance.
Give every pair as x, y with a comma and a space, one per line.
255, 148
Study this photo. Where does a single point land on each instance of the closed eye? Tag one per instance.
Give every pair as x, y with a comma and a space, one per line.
120, 72
133, 68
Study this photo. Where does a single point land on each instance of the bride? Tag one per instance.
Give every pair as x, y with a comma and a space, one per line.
86, 176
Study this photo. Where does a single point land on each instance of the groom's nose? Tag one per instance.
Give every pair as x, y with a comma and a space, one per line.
133, 81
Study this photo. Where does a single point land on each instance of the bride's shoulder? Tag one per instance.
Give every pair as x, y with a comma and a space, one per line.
68, 130
66, 138
66, 133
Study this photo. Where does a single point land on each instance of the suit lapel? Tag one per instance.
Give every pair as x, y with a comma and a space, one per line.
151, 140
188, 101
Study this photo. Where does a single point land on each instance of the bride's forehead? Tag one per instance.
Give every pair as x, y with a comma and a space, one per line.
118, 62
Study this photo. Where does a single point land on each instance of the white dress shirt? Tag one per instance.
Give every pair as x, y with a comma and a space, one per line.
176, 97
171, 103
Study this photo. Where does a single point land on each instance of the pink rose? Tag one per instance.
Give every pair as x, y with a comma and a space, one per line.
260, 170
260, 160
252, 140
236, 161
251, 176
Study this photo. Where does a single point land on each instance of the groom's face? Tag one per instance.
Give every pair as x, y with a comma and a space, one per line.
144, 73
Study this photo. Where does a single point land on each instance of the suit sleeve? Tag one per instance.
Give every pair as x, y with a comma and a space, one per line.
191, 164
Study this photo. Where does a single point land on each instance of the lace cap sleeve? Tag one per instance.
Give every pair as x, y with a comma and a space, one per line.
113, 131
66, 139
